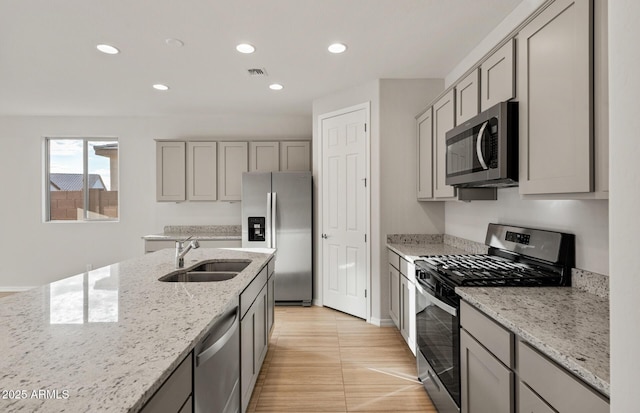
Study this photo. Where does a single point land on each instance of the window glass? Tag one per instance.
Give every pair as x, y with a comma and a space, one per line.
82, 179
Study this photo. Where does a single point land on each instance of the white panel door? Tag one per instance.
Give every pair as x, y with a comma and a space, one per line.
344, 212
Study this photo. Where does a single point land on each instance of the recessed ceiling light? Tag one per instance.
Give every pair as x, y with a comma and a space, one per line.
108, 49
245, 48
337, 48
174, 42
160, 86
276, 86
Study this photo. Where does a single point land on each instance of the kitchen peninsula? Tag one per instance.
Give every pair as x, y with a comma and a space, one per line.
107, 339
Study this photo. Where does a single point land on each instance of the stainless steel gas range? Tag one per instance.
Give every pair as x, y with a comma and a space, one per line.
517, 257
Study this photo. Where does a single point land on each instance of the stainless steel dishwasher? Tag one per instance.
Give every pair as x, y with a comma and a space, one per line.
216, 384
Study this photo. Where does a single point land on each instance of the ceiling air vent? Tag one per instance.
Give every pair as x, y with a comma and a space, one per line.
257, 72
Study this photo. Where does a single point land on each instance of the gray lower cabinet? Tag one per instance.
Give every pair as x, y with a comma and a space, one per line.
271, 297
394, 295
530, 402
487, 385
486, 364
255, 308
402, 298
490, 374
174, 396
408, 311
554, 386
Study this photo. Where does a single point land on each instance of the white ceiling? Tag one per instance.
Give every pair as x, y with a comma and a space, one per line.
49, 64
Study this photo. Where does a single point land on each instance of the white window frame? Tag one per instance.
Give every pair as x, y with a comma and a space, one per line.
85, 163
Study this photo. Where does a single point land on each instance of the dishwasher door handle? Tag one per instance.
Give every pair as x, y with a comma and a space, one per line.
211, 351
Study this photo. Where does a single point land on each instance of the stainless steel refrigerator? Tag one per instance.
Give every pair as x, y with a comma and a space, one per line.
277, 213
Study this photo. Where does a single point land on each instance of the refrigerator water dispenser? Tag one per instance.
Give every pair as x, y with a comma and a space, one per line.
256, 226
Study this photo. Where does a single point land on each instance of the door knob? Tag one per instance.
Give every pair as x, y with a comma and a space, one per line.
325, 236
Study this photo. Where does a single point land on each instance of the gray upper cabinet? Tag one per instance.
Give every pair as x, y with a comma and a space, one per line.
468, 97
443, 120
170, 171
497, 82
202, 171
425, 155
295, 155
264, 156
555, 95
233, 161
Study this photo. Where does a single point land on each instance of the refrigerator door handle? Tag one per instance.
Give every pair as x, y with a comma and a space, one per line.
274, 210
269, 223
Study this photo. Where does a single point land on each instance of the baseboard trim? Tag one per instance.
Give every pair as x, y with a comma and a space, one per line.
14, 289
382, 322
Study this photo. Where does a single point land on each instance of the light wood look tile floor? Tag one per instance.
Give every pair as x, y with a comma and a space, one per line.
5, 294
321, 360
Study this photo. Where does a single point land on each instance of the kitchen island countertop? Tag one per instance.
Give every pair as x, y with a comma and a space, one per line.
106, 340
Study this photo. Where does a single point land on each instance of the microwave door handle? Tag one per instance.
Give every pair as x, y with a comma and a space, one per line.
479, 145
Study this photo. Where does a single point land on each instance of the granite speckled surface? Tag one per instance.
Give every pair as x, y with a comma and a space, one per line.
198, 232
414, 239
412, 246
412, 252
566, 324
471, 247
590, 282
110, 337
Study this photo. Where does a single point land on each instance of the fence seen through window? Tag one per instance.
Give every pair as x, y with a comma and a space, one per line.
82, 179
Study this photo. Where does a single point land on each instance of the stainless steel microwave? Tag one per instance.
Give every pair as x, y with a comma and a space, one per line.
483, 151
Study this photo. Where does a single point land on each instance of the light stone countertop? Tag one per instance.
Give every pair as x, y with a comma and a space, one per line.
412, 252
179, 236
110, 337
197, 232
567, 325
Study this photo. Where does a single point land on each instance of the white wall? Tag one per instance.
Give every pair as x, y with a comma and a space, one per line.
394, 209
33, 252
400, 212
624, 88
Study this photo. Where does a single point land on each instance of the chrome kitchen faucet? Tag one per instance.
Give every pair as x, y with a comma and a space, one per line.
181, 251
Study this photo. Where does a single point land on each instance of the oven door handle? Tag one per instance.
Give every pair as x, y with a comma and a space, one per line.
438, 303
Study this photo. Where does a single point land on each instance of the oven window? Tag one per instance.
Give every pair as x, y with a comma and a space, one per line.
437, 334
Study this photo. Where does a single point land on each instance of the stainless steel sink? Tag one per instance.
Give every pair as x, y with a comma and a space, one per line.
215, 266
209, 271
